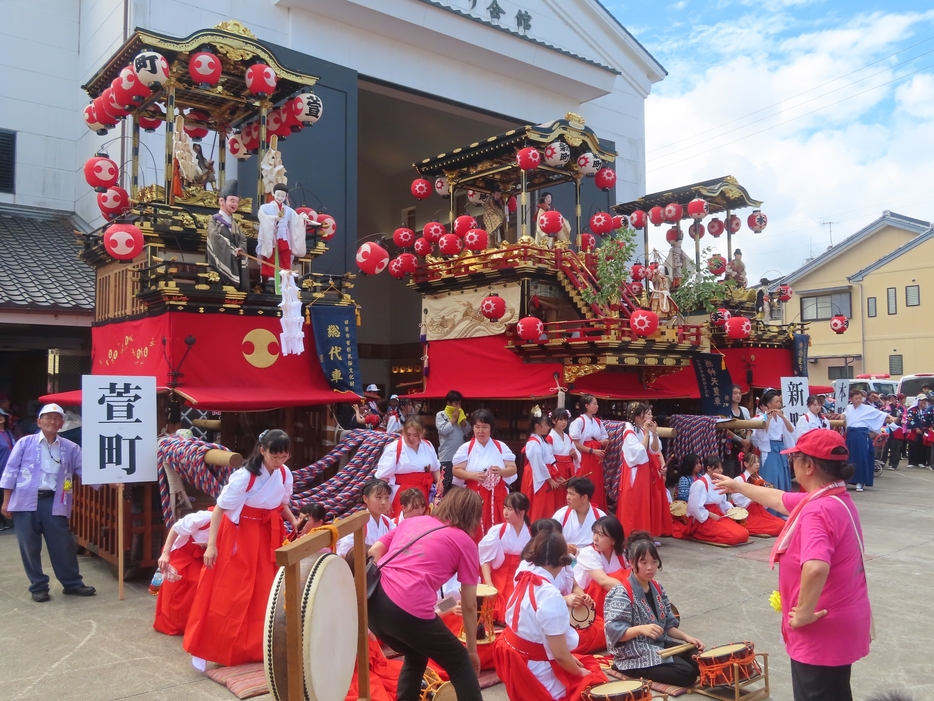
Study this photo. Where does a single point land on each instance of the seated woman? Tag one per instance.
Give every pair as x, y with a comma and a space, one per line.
639, 622
410, 462
501, 550
707, 520
533, 655
413, 504
759, 521
602, 565
690, 471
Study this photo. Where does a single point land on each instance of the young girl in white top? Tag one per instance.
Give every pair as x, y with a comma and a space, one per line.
773, 439
590, 438
811, 419
377, 500
602, 565
413, 504
501, 549
410, 461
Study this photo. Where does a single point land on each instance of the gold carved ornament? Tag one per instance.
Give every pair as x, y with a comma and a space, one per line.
574, 372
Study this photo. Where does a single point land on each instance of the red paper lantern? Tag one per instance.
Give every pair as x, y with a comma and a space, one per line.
275, 124
196, 130
512, 204
249, 134
757, 221
673, 212
100, 172
738, 327
719, 317
463, 224
103, 116
237, 148
637, 272
657, 216
716, 264
113, 202
152, 121
636, 288
403, 237
309, 216
261, 80
588, 242
476, 240
698, 208
784, 292
529, 158
128, 89
605, 179
328, 228
601, 223
696, 230
735, 224
442, 187
450, 244
290, 110
422, 246
589, 163
372, 258
715, 228
421, 188
551, 222
308, 108
120, 97
107, 109
673, 234
637, 219
433, 231
493, 307
643, 322
620, 222
116, 108
123, 241
92, 121
839, 324
151, 69
409, 262
204, 69
530, 328
395, 269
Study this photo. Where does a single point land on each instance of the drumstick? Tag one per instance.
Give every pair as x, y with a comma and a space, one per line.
551, 489
676, 650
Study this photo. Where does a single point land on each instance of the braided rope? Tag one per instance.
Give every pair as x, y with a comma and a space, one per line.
612, 461
186, 457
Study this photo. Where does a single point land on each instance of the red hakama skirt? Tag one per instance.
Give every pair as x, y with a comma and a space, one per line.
175, 598
592, 469
504, 579
492, 503
228, 615
634, 509
659, 506
761, 522
725, 531
407, 480
598, 593
592, 638
268, 266
384, 675
546, 500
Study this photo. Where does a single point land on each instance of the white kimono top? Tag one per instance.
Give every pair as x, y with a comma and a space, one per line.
774, 431
589, 559
194, 527
807, 422
865, 416
575, 532
269, 491
479, 458
585, 428
703, 493
502, 540
375, 529
634, 453
409, 461
539, 454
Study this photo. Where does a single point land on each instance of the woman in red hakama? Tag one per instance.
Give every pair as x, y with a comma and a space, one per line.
384, 674
229, 611
590, 438
407, 462
707, 519
540, 476
602, 566
759, 521
501, 550
184, 553
567, 458
533, 655
485, 466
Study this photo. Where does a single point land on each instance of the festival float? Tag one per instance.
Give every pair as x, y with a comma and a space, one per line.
192, 286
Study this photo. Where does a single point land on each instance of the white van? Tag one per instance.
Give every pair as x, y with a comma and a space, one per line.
910, 385
883, 384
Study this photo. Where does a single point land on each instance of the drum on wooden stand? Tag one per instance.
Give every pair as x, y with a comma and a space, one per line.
582, 617
623, 690
486, 604
728, 664
738, 514
434, 689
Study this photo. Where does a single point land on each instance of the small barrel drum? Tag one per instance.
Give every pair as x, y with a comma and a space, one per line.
434, 689
679, 509
624, 690
717, 664
486, 604
738, 514
582, 617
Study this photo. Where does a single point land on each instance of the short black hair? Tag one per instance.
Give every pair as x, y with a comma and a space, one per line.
454, 396
376, 486
483, 416
614, 529
582, 485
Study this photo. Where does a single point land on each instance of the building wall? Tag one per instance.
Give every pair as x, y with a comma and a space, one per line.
909, 332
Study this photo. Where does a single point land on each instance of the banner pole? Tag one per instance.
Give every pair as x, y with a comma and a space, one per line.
120, 555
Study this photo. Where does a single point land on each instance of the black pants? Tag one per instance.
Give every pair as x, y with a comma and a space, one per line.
811, 682
680, 670
418, 639
918, 454
894, 448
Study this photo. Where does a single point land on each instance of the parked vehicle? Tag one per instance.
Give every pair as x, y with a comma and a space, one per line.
910, 385
883, 384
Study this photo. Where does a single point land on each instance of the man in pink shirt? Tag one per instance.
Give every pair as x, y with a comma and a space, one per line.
826, 618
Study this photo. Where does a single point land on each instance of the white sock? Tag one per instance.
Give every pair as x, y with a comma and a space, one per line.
199, 664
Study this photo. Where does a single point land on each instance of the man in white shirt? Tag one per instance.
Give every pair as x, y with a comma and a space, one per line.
578, 517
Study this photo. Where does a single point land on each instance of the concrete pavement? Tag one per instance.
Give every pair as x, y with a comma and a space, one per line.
101, 649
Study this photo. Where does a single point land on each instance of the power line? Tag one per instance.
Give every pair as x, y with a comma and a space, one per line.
782, 123
805, 92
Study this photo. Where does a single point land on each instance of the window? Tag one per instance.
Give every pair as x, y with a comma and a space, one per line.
890, 294
912, 296
870, 306
408, 218
840, 372
824, 307
7, 160
895, 365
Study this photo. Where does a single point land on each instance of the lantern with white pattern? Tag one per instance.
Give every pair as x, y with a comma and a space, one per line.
463, 224
715, 228
738, 327
493, 307
204, 69
605, 179
442, 187
698, 208
673, 212
307, 108
123, 241
420, 188
372, 259
528, 158
601, 223
100, 172
433, 231
719, 317
151, 68
643, 322
530, 328
757, 221
328, 228
476, 240
422, 246
261, 81
696, 230
113, 202
551, 222
839, 324
450, 244
475, 197
637, 219
557, 154
403, 237
589, 163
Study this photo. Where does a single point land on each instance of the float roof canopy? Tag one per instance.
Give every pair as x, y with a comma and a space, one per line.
483, 163
228, 102
722, 194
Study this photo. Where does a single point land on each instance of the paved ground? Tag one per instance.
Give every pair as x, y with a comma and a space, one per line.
101, 649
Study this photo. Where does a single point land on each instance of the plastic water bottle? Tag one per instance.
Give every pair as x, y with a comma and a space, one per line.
156, 584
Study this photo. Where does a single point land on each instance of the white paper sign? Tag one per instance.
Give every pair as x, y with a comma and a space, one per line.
794, 398
118, 429
841, 395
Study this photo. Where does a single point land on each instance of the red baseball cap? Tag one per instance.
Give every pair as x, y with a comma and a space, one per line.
821, 443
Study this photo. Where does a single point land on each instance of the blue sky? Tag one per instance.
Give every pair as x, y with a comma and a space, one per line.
823, 109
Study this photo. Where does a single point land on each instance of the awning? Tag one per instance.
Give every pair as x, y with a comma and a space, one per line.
73, 398
820, 389
241, 399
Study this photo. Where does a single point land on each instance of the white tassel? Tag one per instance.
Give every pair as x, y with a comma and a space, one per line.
292, 339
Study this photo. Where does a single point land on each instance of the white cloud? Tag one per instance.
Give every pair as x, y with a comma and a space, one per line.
843, 152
